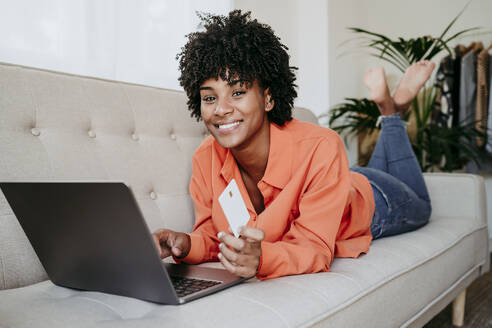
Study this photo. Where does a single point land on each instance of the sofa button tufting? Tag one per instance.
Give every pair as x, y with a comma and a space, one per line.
91, 134
173, 136
35, 132
153, 195
135, 137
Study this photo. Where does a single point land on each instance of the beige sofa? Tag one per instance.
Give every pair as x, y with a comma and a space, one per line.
57, 126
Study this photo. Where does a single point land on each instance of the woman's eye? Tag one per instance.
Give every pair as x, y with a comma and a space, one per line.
208, 99
238, 93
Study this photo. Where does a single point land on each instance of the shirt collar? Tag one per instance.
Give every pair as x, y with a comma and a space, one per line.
279, 165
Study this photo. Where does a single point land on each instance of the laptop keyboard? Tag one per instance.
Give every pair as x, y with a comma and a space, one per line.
186, 286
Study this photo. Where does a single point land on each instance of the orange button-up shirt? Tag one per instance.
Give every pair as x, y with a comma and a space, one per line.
315, 208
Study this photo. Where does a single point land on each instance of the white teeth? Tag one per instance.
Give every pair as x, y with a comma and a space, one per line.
227, 126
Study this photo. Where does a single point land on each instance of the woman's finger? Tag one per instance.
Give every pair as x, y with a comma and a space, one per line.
252, 233
160, 238
230, 240
241, 271
245, 272
179, 244
157, 244
229, 254
227, 265
161, 234
240, 259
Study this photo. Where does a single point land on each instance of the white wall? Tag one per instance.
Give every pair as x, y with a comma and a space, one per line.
127, 40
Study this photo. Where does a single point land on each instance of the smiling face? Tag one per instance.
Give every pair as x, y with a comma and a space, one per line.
235, 114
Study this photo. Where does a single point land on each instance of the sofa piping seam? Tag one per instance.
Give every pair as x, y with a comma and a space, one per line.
99, 302
314, 292
268, 307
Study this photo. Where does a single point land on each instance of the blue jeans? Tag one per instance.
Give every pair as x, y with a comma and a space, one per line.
401, 197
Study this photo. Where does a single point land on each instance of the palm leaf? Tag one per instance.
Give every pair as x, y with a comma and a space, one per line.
401, 53
353, 116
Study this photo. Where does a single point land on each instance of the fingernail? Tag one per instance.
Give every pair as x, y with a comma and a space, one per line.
220, 235
220, 256
221, 245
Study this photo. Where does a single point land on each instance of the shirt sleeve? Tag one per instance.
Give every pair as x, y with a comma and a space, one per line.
204, 242
309, 244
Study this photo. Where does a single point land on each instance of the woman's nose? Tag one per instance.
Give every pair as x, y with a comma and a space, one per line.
223, 108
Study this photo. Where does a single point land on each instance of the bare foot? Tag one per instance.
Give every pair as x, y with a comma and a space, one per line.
375, 81
410, 84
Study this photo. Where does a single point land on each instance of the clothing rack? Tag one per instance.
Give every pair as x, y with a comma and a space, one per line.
464, 89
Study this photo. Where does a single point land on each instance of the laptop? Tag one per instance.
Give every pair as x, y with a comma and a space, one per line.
92, 236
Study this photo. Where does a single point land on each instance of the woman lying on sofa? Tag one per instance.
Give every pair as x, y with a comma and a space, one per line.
306, 207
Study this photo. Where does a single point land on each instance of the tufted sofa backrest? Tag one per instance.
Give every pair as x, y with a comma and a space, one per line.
56, 126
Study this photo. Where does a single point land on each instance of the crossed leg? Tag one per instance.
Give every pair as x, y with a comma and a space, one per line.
393, 152
400, 194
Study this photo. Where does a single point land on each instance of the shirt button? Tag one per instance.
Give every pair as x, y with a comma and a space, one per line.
91, 134
153, 195
35, 132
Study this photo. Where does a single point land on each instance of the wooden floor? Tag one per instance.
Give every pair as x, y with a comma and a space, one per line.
478, 308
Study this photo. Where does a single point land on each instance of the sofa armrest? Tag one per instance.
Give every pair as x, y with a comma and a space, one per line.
457, 196
461, 197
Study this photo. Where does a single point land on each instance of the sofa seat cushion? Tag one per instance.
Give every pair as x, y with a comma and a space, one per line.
418, 266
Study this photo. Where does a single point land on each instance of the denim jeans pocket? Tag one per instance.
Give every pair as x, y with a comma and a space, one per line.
406, 218
394, 197
389, 215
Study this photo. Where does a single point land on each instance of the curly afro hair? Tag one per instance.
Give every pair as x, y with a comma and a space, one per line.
236, 46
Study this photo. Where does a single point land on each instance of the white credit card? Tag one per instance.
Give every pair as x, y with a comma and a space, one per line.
234, 208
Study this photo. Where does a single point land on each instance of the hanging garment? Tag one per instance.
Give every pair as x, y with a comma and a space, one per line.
489, 120
459, 52
468, 88
443, 106
481, 106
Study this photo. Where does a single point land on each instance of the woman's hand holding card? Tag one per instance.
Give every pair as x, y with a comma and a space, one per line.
241, 256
